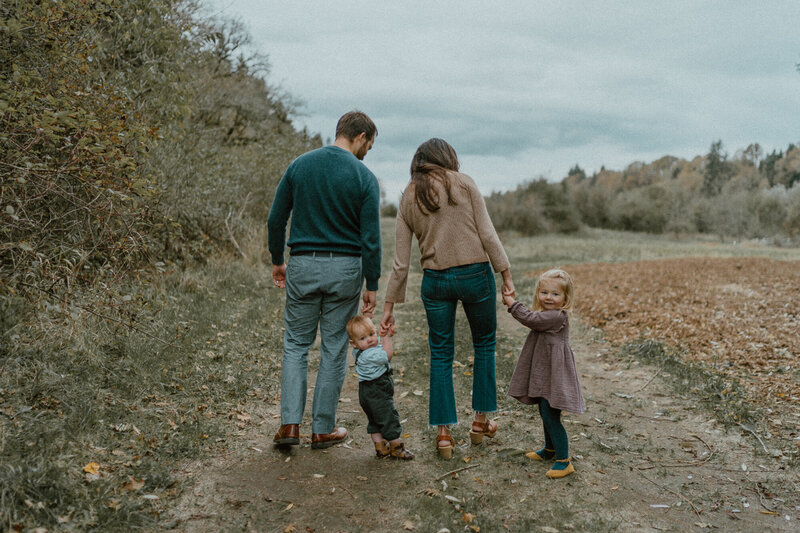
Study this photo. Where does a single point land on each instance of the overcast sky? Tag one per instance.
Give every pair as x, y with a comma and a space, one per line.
528, 89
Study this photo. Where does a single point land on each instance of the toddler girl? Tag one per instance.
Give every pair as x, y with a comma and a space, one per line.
545, 373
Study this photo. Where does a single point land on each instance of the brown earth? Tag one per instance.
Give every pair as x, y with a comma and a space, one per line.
742, 315
647, 457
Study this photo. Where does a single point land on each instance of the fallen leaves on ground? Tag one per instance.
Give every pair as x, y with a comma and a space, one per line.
740, 315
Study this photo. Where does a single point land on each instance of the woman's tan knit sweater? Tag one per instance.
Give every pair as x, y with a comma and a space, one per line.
455, 235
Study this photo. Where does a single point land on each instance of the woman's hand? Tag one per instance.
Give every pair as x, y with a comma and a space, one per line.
387, 323
508, 285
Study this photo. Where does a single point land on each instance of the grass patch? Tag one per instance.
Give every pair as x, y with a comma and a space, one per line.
721, 395
608, 246
76, 390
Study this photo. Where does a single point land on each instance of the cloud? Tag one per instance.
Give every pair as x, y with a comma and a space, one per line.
524, 89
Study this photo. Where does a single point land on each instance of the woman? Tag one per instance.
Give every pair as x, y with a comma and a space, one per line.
445, 211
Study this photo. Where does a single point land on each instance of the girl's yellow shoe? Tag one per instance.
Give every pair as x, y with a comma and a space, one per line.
538, 455
556, 474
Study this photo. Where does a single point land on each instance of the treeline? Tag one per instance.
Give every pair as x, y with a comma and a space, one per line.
131, 132
749, 195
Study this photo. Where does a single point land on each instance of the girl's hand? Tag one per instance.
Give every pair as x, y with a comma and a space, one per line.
508, 300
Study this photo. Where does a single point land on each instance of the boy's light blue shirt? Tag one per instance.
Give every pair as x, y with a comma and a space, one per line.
371, 363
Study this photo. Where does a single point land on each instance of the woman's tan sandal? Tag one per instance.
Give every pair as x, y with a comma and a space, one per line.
445, 445
398, 451
382, 449
555, 474
481, 429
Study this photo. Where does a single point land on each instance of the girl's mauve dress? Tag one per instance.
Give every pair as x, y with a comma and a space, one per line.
546, 365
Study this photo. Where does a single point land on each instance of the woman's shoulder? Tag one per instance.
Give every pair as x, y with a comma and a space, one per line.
462, 179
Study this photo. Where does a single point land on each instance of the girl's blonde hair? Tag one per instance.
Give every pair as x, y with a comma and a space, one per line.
566, 286
359, 326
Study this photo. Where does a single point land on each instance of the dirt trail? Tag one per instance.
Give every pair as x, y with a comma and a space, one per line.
646, 458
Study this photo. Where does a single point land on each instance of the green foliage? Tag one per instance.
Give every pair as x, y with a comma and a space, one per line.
744, 197
717, 171
130, 132
645, 209
533, 208
130, 135
73, 197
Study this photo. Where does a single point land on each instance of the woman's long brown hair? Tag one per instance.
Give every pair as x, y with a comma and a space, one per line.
433, 159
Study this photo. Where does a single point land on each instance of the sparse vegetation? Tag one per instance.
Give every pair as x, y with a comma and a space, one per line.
749, 196
138, 330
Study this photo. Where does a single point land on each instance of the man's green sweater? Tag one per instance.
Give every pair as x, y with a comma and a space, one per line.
334, 202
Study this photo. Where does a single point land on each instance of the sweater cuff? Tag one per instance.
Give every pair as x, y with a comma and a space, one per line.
372, 284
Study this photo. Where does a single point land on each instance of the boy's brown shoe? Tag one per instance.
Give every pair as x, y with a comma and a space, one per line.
382, 449
288, 435
398, 451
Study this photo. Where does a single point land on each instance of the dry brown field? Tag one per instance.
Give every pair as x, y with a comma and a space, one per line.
741, 316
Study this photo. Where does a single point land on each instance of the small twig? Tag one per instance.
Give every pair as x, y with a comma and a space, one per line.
681, 496
651, 379
347, 491
455, 472
654, 464
95, 313
755, 435
233, 239
761, 498
710, 449
656, 418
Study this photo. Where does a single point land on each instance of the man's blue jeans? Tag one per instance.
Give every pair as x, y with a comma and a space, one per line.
474, 286
324, 292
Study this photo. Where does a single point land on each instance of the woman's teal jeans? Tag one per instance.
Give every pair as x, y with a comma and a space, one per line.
474, 286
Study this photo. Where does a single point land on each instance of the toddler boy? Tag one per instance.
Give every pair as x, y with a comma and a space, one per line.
376, 387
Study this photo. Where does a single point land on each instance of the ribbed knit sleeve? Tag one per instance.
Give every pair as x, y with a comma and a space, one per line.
371, 234
396, 288
278, 218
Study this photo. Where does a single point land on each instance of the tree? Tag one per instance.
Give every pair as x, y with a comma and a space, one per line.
717, 170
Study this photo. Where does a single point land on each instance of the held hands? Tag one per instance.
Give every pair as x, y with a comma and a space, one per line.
508, 291
508, 300
387, 323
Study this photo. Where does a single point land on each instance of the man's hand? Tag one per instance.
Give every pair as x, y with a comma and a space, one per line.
370, 299
279, 275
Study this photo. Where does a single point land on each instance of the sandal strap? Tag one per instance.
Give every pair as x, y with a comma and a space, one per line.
442, 438
484, 427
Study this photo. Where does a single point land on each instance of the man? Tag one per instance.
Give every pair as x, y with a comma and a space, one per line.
335, 242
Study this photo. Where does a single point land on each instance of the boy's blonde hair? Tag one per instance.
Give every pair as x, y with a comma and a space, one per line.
359, 326
566, 286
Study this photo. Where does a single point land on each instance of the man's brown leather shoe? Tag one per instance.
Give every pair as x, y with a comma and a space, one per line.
326, 440
287, 435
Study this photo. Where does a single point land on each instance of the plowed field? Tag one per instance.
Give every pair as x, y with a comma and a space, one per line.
741, 316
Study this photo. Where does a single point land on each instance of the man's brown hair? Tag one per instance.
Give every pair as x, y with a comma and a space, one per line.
354, 123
